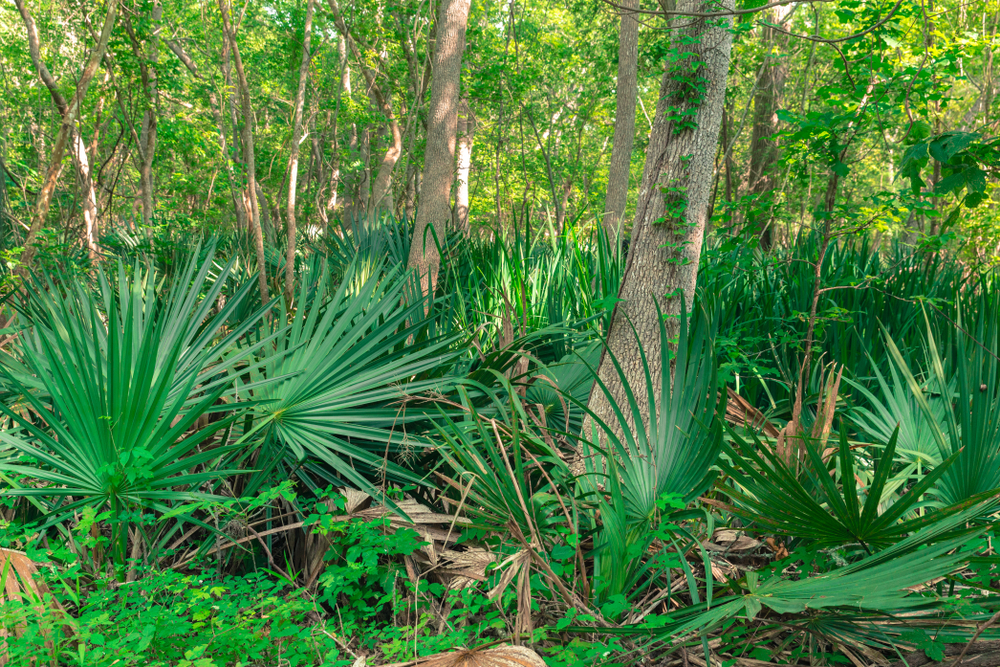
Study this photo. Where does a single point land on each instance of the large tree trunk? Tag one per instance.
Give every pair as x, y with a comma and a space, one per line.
671, 210
293, 161
466, 133
248, 151
69, 113
763, 140
625, 99
442, 128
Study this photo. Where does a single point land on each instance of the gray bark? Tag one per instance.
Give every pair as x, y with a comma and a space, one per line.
86, 179
442, 129
69, 112
764, 151
293, 161
466, 133
627, 88
666, 240
248, 151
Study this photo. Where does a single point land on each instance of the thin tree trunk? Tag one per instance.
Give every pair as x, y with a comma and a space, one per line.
624, 138
669, 223
763, 140
335, 175
567, 189
89, 195
293, 166
149, 119
383, 179
418, 80
69, 113
229, 101
248, 151
466, 133
410, 192
220, 124
442, 128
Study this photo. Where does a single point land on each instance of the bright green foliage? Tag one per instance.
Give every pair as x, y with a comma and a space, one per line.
333, 392
972, 424
675, 451
810, 505
875, 586
123, 381
169, 618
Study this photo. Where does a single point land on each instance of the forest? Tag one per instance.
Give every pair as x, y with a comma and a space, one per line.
499, 333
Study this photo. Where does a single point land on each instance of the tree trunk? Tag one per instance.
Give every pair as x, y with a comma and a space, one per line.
627, 88
763, 141
248, 151
229, 103
567, 189
671, 211
89, 195
69, 113
442, 127
466, 133
147, 147
216, 108
410, 191
149, 119
383, 179
293, 161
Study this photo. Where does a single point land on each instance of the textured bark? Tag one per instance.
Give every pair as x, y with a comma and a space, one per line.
627, 88
383, 178
248, 151
293, 161
466, 133
148, 63
442, 128
69, 113
666, 244
86, 179
764, 153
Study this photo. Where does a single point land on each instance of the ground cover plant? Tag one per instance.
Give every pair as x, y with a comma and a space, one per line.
504, 334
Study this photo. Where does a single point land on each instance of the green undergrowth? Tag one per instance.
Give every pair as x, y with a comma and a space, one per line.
363, 604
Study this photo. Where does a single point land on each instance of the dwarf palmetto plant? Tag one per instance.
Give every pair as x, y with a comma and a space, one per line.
671, 456
763, 298
675, 451
506, 475
971, 424
813, 508
347, 381
895, 408
533, 282
508, 478
867, 596
360, 243
121, 377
